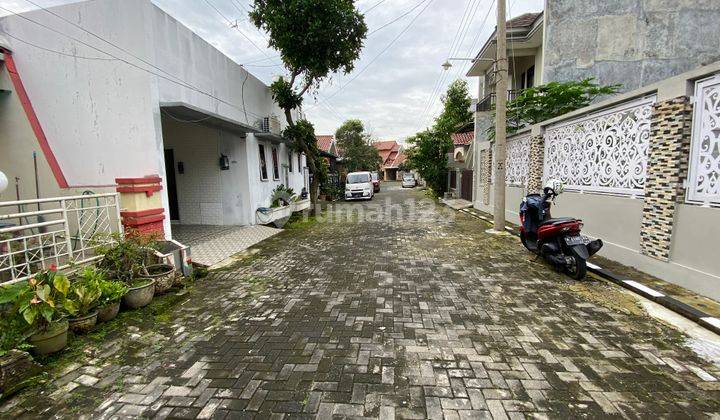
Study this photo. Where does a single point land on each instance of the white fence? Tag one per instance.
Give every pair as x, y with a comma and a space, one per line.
704, 177
601, 152
517, 160
35, 234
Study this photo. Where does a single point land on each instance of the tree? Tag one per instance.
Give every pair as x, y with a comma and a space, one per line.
357, 152
315, 38
543, 102
428, 154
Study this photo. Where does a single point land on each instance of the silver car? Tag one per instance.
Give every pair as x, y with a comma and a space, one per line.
408, 181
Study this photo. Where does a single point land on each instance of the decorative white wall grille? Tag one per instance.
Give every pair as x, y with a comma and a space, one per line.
517, 161
35, 234
704, 179
601, 152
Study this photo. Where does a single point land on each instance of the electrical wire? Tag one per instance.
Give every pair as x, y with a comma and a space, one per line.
180, 83
235, 27
440, 81
397, 18
371, 8
387, 47
171, 116
55, 51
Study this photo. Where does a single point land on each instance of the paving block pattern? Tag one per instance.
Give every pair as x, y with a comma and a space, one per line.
415, 317
212, 244
667, 168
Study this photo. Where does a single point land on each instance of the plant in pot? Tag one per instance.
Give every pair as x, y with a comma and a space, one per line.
84, 294
124, 259
111, 293
163, 274
42, 302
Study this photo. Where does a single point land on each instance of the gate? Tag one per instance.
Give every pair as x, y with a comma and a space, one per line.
466, 186
453, 179
62, 231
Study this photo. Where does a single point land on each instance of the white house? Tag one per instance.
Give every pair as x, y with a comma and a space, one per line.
108, 89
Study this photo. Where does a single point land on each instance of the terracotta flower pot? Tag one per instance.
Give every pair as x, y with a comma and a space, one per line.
52, 339
108, 312
164, 276
140, 296
83, 324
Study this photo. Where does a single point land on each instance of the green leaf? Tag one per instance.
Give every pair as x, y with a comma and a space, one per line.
30, 315
62, 284
70, 307
47, 312
43, 293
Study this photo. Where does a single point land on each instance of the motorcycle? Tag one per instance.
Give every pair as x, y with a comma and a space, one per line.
557, 240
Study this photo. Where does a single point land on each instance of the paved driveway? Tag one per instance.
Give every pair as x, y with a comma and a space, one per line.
399, 310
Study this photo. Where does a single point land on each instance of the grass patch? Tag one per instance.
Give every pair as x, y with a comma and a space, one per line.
300, 220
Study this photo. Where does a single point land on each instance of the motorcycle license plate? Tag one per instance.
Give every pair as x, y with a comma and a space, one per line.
574, 240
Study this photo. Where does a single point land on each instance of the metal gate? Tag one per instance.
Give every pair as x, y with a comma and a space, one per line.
466, 186
62, 231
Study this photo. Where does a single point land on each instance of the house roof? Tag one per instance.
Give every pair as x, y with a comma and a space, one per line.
523, 32
463, 139
400, 159
526, 19
324, 142
388, 151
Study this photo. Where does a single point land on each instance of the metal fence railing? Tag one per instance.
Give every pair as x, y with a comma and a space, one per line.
61, 231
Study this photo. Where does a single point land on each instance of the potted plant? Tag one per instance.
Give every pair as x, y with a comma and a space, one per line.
124, 259
163, 274
111, 293
42, 302
84, 293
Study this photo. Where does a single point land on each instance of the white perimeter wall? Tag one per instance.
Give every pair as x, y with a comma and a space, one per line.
617, 221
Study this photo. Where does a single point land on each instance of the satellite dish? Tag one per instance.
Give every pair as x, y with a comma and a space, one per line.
3, 182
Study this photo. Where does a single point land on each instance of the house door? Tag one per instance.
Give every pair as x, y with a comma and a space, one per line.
466, 187
171, 184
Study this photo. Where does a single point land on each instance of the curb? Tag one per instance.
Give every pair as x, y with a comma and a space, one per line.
701, 318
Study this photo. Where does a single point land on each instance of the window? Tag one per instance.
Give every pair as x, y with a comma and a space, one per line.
522, 81
530, 77
276, 166
263, 164
290, 161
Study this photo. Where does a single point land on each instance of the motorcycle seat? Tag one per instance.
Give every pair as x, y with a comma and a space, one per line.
558, 220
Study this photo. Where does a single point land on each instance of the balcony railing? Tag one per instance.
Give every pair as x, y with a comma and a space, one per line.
488, 102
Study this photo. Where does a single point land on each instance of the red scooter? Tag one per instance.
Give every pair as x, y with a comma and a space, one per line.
557, 240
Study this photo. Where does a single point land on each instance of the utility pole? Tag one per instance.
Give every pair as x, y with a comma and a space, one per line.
500, 120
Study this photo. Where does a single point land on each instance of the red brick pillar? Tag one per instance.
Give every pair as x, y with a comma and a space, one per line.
141, 205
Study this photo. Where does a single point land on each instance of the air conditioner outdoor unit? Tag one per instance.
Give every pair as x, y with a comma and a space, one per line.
271, 124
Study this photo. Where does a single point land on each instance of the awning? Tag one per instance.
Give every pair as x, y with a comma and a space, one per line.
187, 113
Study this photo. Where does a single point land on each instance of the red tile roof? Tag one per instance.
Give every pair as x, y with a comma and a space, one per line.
388, 151
462, 139
400, 159
324, 142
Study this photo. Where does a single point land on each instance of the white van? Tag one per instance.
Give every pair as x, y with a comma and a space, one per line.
359, 186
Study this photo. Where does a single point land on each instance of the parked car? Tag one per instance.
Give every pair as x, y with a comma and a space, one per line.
375, 181
408, 181
359, 186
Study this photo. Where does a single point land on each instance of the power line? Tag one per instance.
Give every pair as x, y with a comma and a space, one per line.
376, 5
429, 2
181, 83
437, 88
230, 22
55, 51
397, 18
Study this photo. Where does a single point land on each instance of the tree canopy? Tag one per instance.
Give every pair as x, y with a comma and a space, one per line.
315, 38
428, 153
357, 152
543, 102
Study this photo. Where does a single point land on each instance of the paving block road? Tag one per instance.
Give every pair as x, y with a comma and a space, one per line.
399, 309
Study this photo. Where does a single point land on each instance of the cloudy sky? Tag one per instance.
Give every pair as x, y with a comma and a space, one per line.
395, 88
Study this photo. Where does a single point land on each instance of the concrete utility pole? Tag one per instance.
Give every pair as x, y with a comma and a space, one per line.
500, 120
